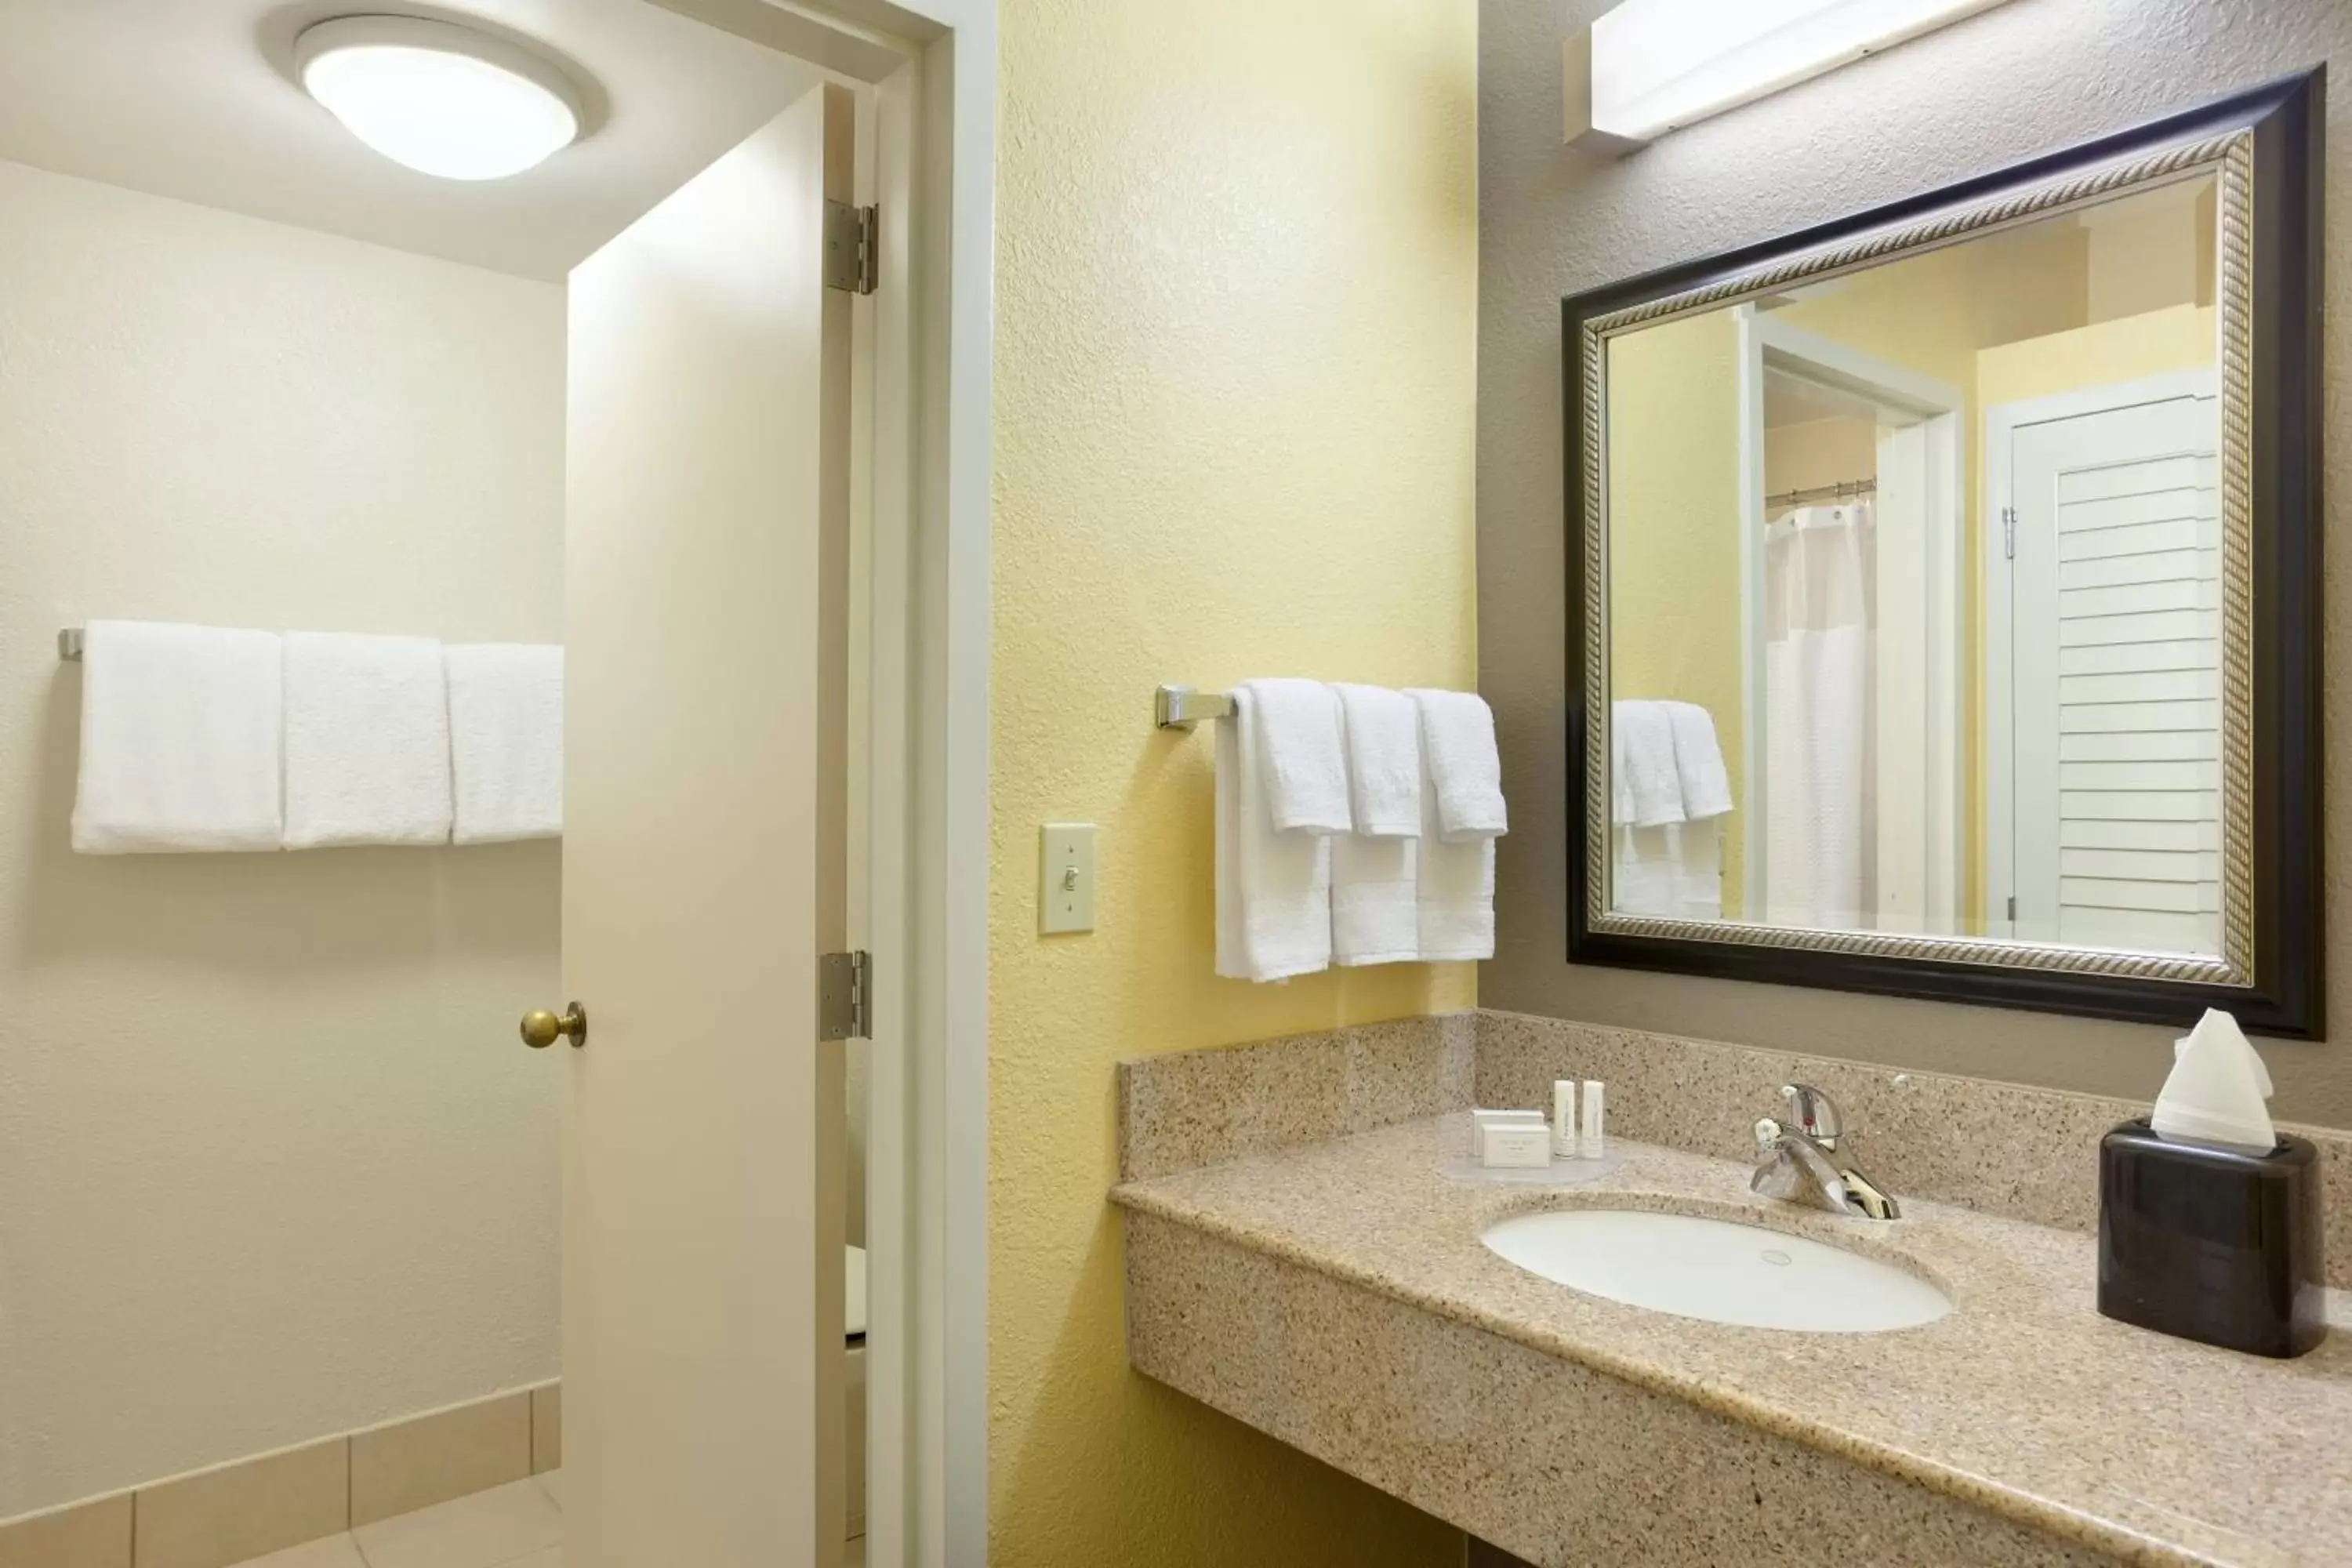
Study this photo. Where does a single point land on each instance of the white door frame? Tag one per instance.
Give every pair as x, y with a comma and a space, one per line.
932, 67
2002, 423
1940, 406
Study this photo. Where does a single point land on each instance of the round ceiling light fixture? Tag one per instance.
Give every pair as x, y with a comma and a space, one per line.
441, 99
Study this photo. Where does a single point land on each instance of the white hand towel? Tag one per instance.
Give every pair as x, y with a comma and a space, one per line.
367, 740
1697, 850
1706, 783
1375, 899
1273, 888
1298, 749
1643, 877
1457, 741
506, 741
1383, 730
1674, 872
1453, 904
180, 731
1621, 786
1642, 738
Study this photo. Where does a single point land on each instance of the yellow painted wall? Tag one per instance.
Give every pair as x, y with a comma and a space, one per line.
1674, 536
2181, 337
1236, 298
1818, 452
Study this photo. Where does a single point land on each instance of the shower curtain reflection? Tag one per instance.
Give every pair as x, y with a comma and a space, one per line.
1821, 753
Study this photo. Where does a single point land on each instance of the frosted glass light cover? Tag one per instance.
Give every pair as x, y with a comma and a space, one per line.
437, 98
1659, 64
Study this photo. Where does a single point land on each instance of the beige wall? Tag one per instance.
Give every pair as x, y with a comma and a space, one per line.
1236, 308
2013, 82
272, 1164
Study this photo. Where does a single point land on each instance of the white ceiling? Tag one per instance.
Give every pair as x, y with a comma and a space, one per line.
194, 100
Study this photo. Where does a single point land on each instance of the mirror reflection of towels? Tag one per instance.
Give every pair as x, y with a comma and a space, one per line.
1669, 786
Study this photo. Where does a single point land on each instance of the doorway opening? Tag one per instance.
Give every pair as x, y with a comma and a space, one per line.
1852, 583
279, 383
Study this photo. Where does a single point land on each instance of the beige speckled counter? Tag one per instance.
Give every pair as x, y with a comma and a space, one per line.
2038, 1430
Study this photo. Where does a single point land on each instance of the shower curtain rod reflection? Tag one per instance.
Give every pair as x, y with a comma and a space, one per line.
1846, 491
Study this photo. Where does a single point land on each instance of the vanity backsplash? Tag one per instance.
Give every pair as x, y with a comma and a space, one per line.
2003, 1149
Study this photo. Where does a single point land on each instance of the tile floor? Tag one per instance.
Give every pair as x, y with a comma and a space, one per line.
520, 1525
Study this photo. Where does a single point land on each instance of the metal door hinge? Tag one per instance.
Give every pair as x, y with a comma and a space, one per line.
852, 249
2013, 909
845, 996
2009, 532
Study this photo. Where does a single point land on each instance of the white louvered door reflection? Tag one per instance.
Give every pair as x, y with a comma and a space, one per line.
2115, 678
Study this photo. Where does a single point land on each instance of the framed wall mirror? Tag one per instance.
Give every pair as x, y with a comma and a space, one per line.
1944, 599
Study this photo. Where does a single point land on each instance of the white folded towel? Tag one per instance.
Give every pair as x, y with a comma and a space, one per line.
1705, 783
506, 741
1457, 744
1621, 787
367, 740
1273, 888
180, 747
1375, 899
1698, 870
1641, 742
1383, 731
1453, 904
1674, 872
1299, 749
1643, 876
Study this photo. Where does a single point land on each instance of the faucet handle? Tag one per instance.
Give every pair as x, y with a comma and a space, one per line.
1768, 1137
1815, 1113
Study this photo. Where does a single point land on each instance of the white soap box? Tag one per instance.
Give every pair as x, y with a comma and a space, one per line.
1482, 1122
1516, 1146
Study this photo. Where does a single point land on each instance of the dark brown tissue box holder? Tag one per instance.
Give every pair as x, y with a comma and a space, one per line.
2212, 1244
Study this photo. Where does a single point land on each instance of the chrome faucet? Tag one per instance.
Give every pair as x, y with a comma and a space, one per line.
1802, 1163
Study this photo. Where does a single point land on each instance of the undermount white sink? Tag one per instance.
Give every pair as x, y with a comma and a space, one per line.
1717, 1271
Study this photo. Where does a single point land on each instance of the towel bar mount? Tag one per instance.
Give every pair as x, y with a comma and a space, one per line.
1181, 706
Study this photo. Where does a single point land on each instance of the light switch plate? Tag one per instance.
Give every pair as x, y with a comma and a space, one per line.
1066, 893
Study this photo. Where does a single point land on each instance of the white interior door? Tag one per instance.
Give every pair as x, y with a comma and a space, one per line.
2114, 676
704, 858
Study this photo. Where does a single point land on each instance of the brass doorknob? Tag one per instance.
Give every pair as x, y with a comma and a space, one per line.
542, 1030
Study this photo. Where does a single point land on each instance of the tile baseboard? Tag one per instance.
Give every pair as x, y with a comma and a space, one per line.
246, 1508
92, 1534
408, 1465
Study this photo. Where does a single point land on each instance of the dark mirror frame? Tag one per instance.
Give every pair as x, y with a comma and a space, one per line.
2285, 120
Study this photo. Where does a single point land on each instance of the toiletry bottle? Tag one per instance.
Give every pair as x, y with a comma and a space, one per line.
1563, 1119
1590, 1144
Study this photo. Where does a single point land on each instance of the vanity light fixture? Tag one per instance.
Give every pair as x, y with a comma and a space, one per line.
1650, 66
441, 99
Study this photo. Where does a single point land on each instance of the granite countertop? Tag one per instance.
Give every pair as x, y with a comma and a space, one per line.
2021, 1400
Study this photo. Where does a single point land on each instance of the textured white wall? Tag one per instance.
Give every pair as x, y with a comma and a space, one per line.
2024, 79
272, 1163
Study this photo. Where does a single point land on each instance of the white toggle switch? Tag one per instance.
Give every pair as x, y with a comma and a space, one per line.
1066, 881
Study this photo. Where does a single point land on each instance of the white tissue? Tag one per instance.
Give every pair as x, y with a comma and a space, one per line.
2217, 1088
